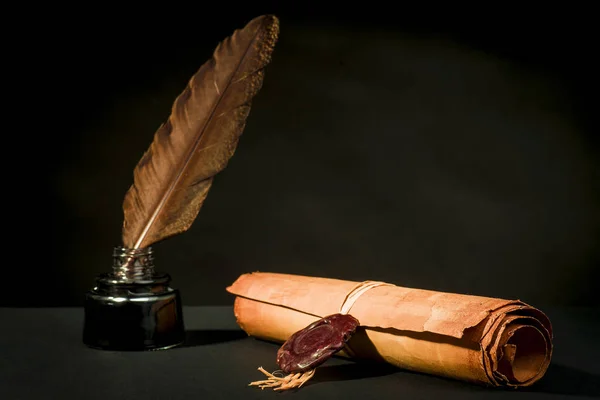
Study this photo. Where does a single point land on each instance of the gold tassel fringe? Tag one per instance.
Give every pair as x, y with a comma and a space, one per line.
290, 381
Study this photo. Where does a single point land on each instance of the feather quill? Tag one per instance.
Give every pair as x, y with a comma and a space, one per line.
172, 179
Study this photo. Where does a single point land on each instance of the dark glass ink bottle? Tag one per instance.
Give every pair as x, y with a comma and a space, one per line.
133, 307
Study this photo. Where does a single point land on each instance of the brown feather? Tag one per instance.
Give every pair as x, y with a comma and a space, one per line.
173, 177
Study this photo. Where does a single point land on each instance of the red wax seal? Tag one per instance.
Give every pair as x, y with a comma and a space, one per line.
313, 345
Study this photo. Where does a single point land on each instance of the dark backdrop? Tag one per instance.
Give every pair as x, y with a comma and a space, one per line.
442, 149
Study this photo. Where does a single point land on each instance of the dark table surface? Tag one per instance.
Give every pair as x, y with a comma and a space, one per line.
42, 357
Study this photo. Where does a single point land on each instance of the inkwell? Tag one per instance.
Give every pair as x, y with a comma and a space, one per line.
133, 307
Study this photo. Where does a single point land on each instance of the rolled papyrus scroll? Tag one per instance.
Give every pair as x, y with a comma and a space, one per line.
477, 339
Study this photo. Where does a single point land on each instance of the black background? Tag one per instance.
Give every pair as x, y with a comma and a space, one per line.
447, 149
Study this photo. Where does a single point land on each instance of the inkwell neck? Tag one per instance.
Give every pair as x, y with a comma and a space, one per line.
133, 264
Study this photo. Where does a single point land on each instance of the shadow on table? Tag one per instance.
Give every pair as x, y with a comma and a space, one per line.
205, 337
351, 371
560, 379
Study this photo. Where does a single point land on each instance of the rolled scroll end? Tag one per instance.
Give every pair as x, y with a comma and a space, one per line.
520, 349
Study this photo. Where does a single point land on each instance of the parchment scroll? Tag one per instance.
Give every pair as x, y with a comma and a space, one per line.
484, 340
